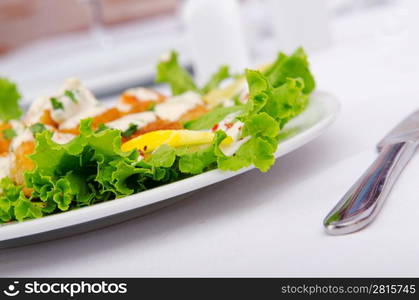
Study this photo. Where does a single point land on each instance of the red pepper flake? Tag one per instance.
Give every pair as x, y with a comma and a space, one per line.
215, 127
228, 125
141, 153
145, 148
244, 98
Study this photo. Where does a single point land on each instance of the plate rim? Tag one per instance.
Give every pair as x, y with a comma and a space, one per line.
174, 189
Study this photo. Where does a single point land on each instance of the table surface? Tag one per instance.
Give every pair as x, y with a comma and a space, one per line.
270, 224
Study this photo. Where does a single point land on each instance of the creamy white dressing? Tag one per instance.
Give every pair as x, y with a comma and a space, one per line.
139, 119
87, 112
234, 147
5, 163
62, 138
83, 105
234, 131
244, 94
24, 136
85, 101
36, 110
17, 126
176, 106
228, 119
124, 107
143, 94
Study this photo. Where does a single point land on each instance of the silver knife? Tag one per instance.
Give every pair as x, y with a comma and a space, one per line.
361, 204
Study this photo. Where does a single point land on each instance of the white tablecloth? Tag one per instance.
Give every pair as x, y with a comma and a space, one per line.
271, 224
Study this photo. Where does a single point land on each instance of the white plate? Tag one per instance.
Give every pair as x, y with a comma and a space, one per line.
320, 113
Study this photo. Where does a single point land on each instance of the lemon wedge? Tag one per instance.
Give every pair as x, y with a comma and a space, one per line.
175, 138
216, 96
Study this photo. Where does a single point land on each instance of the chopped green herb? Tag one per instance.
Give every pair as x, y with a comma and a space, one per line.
70, 94
101, 128
130, 131
9, 133
37, 128
56, 104
152, 107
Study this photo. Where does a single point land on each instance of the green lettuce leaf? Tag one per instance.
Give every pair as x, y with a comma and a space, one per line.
25, 209
288, 101
171, 72
215, 80
293, 66
14, 205
200, 160
180, 80
114, 177
163, 156
213, 117
257, 151
185, 161
9, 101
89, 168
266, 112
9, 196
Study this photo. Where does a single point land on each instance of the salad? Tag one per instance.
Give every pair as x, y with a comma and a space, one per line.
68, 150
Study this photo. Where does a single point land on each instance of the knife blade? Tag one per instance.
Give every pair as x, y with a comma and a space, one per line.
364, 200
408, 129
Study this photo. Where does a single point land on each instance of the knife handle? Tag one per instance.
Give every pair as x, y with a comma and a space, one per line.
361, 204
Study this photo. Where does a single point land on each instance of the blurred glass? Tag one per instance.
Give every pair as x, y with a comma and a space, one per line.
23, 22
97, 23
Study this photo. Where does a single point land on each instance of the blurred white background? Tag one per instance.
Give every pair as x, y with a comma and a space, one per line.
113, 44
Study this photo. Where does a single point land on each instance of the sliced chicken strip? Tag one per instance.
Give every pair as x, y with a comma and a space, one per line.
21, 162
138, 100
